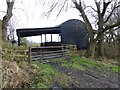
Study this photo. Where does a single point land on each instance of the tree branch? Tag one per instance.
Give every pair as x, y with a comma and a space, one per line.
92, 8
52, 8
98, 7
111, 13
107, 28
85, 18
105, 5
61, 8
111, 26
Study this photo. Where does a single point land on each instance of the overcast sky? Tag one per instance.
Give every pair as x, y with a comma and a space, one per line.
29, 14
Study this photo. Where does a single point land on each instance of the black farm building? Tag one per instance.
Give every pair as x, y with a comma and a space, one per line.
72, 32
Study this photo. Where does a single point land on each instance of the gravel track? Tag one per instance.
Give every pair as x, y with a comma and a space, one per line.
90, 78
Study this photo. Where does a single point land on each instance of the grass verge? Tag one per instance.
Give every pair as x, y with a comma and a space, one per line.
84, 63
44, 76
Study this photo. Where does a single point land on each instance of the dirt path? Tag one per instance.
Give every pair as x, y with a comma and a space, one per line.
90, 78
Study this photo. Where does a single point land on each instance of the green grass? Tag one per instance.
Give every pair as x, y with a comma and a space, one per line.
74, 65
34, 45
45, 75
84, 63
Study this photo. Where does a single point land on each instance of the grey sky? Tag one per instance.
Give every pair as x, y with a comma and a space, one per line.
28, 14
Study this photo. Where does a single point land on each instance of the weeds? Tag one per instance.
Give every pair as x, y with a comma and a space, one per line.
14, 53
45, 76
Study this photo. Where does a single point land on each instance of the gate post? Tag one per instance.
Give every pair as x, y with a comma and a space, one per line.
29, 56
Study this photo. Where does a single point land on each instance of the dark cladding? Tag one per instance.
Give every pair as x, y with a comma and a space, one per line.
75, 32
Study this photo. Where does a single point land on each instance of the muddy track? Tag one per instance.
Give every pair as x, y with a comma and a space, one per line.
90, 78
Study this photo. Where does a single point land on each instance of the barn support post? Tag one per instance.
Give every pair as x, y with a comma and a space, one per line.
41, 38
51, 37
45, 38
58, 38
18, 39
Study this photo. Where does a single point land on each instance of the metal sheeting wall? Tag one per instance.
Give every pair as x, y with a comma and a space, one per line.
74, 32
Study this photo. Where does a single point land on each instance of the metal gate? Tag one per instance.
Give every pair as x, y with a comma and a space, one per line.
48, 52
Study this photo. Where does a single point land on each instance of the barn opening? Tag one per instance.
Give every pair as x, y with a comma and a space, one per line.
43, 33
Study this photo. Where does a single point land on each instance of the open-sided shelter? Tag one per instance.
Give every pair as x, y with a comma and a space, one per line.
72, 32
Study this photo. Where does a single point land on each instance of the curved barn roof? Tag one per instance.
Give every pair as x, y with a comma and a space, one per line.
74, 32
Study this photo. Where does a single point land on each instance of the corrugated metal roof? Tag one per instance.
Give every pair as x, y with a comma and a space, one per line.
25, 32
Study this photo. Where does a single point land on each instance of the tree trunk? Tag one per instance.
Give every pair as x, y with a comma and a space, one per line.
0, 36
118, 56
100, 50
101, 38
4, 28
91, 50
0, 29
0, 53
6, 18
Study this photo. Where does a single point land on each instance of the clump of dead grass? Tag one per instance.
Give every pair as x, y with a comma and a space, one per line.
12, 75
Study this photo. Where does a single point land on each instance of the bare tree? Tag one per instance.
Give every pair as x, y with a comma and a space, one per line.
57, 6
102, 26
6, 18
112, 34
102, 15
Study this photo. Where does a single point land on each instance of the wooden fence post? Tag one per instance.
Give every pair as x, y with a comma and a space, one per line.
41, 53
29, 56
